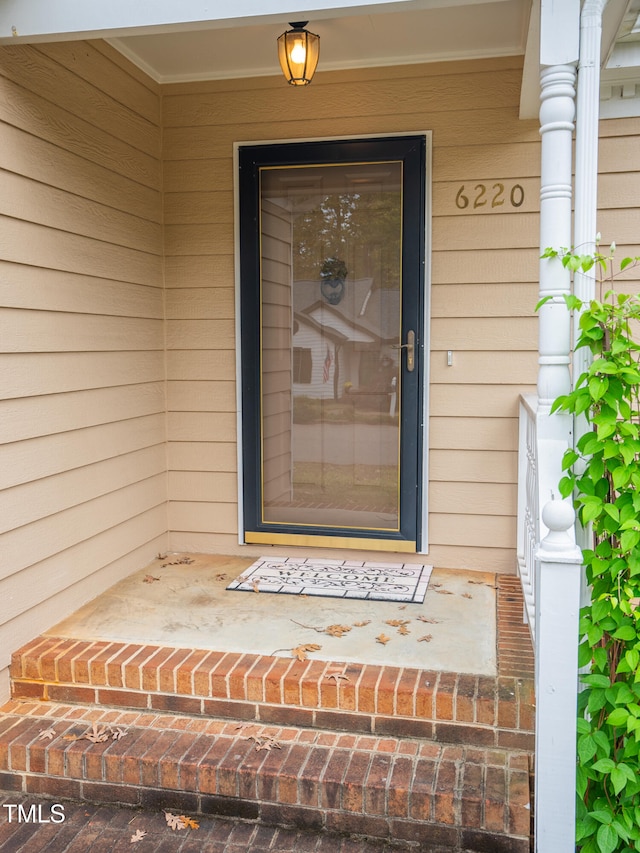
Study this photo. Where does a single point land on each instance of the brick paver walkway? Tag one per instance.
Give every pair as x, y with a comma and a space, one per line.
107, 829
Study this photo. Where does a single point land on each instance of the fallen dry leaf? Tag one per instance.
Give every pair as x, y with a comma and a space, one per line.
97, 734
149, 579
255, 586
426, 639
301, 651
337, 630
466, 595
382, 638
267, 743
189, 822
337, 676
138, 835
221, 577
174, 821
362, 624
403, 630
428, 619
47, 734
444, 592
117, 734
397, 623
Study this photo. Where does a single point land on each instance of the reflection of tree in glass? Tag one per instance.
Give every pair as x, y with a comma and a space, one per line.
363, 229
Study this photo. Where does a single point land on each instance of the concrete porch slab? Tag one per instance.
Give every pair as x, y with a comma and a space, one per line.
180, 600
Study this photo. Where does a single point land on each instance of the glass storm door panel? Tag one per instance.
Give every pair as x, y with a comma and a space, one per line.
331, 263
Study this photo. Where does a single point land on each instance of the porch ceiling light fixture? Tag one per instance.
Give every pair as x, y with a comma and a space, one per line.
298, 52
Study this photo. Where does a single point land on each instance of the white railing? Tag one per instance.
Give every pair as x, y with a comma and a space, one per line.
528, 505
550, 569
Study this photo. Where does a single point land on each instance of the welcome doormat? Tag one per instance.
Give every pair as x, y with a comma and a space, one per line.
336, 579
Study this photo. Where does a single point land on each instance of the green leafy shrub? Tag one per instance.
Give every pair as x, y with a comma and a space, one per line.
603, 473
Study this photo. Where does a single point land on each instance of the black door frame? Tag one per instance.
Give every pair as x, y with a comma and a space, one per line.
412, 151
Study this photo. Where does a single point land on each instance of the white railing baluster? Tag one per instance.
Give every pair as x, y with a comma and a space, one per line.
550, 569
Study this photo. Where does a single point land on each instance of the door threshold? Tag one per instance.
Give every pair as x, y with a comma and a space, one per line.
305, 540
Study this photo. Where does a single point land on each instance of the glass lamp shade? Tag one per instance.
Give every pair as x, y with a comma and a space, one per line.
298, 52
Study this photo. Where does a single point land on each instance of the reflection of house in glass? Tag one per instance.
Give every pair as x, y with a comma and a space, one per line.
345, 351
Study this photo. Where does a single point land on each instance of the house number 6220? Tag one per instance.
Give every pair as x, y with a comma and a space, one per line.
494, 196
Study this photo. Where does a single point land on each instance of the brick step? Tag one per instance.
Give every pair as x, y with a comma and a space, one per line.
450, 798
445, 707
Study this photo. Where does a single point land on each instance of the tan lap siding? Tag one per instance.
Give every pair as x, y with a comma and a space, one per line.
82, 423
483, 284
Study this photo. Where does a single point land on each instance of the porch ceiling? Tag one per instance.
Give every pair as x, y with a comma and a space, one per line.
349, 39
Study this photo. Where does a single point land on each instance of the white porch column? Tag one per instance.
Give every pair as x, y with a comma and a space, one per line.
559, 567
588, 109
557, 111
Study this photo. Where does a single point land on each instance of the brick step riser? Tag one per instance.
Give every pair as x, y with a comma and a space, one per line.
453, 798
446, 707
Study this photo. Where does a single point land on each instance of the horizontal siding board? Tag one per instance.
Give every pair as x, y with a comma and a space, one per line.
473, 466
469, 162
201, 396
51, 80
473, 498
489, 334
21, 198
202, 456
41, 246
457, 92
34, 374
197, 239
481, 299
35, 416
36, 331
185, 208
483, 368
53, 290
33, 501
469, 401
479, 433
467, 267
118, 62
36, 458
25, 546
64, 584
49, 164
490, 127
193, 365
100, 65
497, 531
203, 517
201, 334
498, 231
200, 303
207, 486
39, 117
201, 426
192, 176
475, 559
200, 270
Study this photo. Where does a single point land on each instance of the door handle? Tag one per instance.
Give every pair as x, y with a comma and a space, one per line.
410, 348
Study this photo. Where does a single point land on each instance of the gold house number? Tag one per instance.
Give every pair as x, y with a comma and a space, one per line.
495, 196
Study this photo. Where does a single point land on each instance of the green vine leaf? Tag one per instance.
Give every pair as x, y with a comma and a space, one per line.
603, 474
